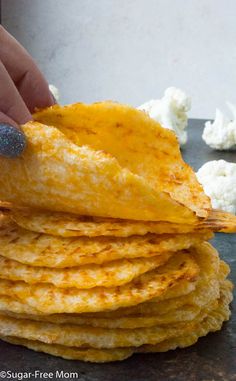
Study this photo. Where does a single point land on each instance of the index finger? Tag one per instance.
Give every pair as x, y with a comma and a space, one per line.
27, 77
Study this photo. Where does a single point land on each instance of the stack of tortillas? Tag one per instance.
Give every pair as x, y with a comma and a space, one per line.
103, 248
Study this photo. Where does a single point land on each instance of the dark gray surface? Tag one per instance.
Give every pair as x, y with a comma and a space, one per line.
213, 358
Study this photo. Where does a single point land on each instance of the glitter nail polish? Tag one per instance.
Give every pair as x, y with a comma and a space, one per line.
12, 141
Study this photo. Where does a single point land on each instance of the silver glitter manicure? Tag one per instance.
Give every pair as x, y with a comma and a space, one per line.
12, 141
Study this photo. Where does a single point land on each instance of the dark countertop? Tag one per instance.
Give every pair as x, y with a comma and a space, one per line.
213, 358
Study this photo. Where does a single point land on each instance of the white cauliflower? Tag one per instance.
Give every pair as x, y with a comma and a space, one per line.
170, 111
218, 178
55, 92
221, 134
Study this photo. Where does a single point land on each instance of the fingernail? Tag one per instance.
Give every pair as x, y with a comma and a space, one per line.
12, 141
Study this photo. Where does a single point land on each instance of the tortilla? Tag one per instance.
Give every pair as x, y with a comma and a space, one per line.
112, 161
50, 299
77, 336
212, 322
44, 250
70, 225
109, 274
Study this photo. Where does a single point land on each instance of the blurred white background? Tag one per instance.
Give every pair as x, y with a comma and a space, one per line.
131, 50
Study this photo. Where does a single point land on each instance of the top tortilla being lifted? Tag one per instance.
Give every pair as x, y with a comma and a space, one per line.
104, 159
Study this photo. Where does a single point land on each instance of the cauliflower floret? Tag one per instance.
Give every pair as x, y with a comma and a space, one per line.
218, 178
55, 92
170, 111
221, 134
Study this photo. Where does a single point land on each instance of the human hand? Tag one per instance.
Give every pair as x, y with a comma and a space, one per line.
23, 88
